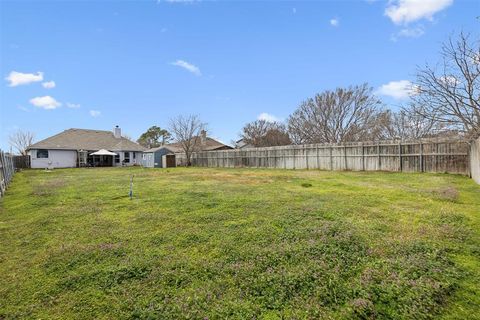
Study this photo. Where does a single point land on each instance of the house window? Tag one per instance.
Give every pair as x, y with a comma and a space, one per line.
43, 153
127, 157
117, 158
134, 156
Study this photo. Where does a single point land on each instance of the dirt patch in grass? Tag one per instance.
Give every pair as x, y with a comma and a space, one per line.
448, 193
48, 187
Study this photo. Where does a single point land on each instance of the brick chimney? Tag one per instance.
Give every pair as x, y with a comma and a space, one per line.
117, 132
203, 137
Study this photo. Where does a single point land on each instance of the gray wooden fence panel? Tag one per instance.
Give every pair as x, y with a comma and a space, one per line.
7, 171
21, 162
408, 156
475, 160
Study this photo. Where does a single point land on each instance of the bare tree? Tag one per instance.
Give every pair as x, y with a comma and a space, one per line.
409, 123
261, 133
346, 114
450, 91
186, 131
21, 140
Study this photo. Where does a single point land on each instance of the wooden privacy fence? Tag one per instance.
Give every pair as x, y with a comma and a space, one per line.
412, 156
475, 160
6, 171
21, 162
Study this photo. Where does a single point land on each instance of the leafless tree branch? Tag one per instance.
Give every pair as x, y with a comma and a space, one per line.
261, 133
21, 140
450, 92
346, 114
186, 131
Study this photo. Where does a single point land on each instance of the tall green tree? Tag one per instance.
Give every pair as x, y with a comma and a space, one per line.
154, 137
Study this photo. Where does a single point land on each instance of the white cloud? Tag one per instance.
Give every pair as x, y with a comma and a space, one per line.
406, 11
95, 113
17, 78
411, 32
476, 58
187, 66
401, 89
45, 102
449, 80
72, 105
267, 117
23, 108
49, 84
334, 22
408, 33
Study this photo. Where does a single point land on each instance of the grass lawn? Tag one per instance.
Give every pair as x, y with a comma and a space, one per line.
203, 243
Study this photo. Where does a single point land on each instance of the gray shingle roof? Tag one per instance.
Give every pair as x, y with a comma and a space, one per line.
210, 144
84, 139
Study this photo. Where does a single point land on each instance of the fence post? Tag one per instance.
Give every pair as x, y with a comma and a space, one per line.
10, 168
345, 156
400, 156
2, 175
363, 157
331, 158
305, 152
421, 157
318, 160
378, 154
4, 167
294, 158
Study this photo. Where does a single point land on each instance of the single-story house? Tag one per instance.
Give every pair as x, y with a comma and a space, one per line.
85, 148
165, 156
242, 144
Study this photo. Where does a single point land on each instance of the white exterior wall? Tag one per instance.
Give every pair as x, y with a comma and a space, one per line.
56, 159
137, 160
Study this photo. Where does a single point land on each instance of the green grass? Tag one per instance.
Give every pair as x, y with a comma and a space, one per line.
239, 244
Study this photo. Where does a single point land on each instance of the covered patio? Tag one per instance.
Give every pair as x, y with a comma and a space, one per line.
101, 158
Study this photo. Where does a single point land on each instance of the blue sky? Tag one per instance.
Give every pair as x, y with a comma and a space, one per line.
86, 64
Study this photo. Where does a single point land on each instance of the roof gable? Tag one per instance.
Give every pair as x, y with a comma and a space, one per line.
84, 139
210, 144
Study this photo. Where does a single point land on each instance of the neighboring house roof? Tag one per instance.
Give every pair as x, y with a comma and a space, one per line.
209, 145
241, 144
84, 139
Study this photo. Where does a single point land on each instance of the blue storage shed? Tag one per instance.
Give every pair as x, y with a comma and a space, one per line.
152, 158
